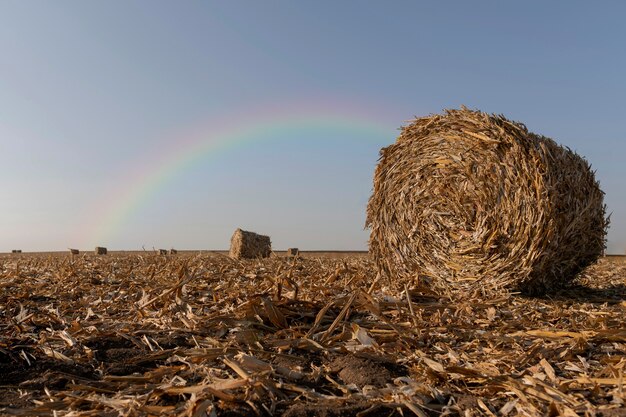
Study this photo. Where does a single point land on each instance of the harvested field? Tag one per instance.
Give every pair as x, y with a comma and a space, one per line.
139, 334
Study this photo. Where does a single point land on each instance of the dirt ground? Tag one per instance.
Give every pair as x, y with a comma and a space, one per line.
195, 334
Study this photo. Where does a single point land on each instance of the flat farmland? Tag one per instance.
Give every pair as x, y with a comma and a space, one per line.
198, 333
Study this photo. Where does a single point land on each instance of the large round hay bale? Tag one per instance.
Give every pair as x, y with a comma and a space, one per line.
473, 201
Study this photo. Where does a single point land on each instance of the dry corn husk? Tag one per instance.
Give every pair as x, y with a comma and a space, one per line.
135, 333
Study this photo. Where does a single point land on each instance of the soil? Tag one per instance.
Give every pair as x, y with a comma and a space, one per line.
44, 371
332, 410
361, 372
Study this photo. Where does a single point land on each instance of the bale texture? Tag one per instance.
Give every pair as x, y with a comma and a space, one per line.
249, 245
472, 201
100, 250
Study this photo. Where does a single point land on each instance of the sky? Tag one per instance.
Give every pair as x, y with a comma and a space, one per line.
159, 124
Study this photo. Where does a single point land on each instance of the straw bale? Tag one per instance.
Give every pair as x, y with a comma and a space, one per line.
173, 251
245, 245
162, 251
293, 252
16, 251
74, 251
100, 250
473, 201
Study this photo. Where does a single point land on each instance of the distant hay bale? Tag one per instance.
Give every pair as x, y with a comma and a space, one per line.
246, 245
291, 252
473, 201
173, 251
74, 251
100, 250
162, 251
16, 251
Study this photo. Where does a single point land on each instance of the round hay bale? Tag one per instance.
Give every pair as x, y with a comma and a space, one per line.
100, 250
473, 201
249, 245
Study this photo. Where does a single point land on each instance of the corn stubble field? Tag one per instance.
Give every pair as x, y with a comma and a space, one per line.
198, 334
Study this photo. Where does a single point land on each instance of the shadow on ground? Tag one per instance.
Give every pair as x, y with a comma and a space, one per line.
579, 292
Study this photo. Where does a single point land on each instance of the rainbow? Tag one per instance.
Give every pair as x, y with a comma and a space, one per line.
143, 181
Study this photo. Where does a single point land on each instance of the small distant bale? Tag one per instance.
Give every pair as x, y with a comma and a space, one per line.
173, 251
249, 245
292, 252
162, 251
100, 250
74, 251
16, 251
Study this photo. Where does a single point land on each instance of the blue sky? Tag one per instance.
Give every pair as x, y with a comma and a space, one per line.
90, 90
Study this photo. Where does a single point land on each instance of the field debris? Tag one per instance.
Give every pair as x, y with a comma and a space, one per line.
249, 245
291, 252
473, 202
204, 334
